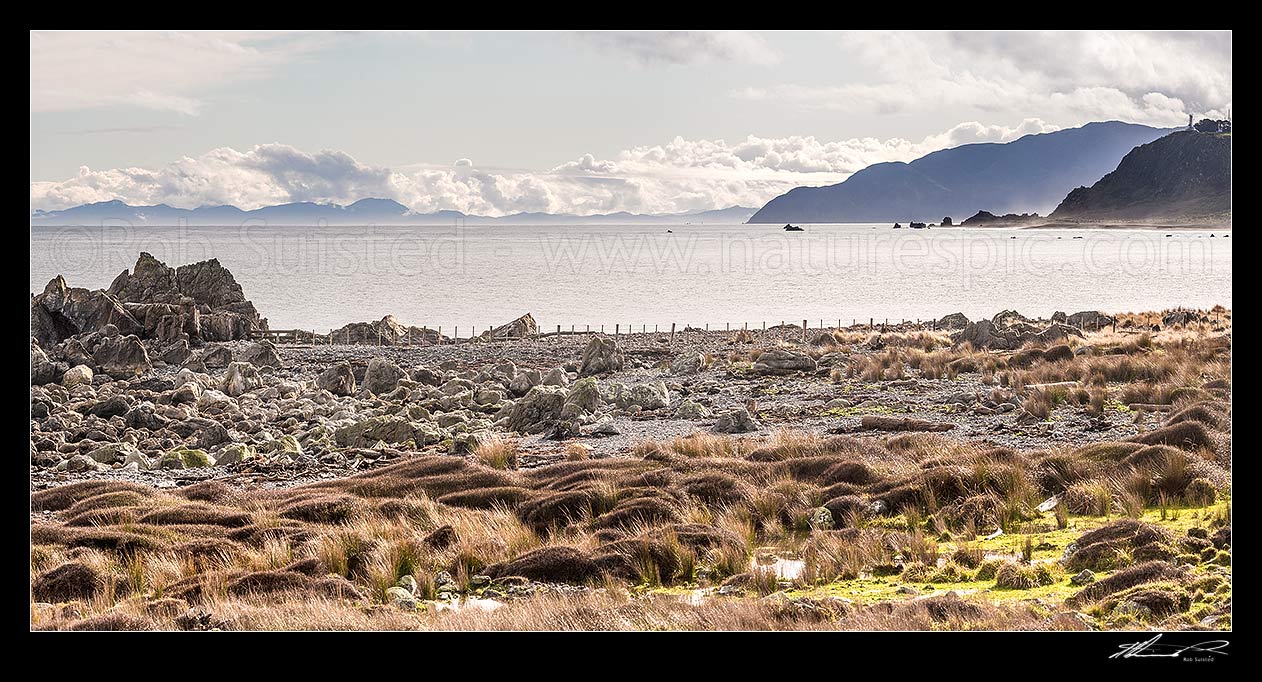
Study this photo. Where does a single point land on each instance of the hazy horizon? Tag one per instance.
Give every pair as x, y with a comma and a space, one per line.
641, 122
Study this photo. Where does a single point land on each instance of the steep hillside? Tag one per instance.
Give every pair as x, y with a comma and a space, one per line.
1029, 174
1182, 176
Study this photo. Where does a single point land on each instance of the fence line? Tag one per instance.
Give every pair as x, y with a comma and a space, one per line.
783, 330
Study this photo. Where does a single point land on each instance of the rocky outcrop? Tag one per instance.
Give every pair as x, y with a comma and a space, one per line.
520, 328
953, 321
194, 303
65, 311
601, 356
988, 334
385, 332
1182, 318
44, 370
988, 219
1183, 176
782, 361
1089, 319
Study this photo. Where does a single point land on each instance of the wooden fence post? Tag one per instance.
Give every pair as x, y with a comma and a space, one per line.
672, 333
804, 330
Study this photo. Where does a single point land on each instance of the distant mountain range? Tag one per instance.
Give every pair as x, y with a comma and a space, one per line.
362, 212
1032, 173
1184, 176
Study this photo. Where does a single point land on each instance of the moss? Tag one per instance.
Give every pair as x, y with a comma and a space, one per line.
189, 458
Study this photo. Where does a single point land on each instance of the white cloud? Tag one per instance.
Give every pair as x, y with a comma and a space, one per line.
158, 70
1065, 76
681, 175
685, 47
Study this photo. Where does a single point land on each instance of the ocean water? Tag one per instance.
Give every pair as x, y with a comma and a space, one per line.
471, 277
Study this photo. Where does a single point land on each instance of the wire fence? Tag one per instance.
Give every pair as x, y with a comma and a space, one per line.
370, 334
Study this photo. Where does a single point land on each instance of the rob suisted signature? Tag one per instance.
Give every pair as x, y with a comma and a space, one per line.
1152, 649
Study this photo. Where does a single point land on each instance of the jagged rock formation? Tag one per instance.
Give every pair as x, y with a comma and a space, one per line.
988, 219
520, 328
197, 303
1010, 330
386, 332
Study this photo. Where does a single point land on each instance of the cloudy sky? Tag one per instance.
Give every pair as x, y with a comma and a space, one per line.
588, 122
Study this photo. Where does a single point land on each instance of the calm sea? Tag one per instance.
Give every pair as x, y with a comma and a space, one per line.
323, 277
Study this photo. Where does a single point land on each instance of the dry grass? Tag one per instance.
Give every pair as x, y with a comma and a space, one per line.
497, 452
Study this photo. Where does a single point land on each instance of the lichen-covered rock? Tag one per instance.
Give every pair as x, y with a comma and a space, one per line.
602, 355
584, 399
648, 396
692, 410
388, 429
737, 420
538, 411
381, 377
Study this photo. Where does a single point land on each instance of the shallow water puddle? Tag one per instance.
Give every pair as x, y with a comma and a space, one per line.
470, 603
786, 567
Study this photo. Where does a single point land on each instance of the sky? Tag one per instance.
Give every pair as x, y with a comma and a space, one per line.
495, 123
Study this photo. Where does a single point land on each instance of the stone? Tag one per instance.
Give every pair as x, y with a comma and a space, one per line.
110, 407
113, 453
520, 328
556, 377
139, 460
67, 312
952, 322
602, 355
821, 518
401, 599
605, 426
216, 356
122, 356
648, 396
782, 361
736, 420
538, 411
692, 410
77, 375
82, 463
1083, 577
689, 363
43, 370
524, 381
388, 429
240, 378
263, 354
338, 379
235, 453
584, 399
381, 377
